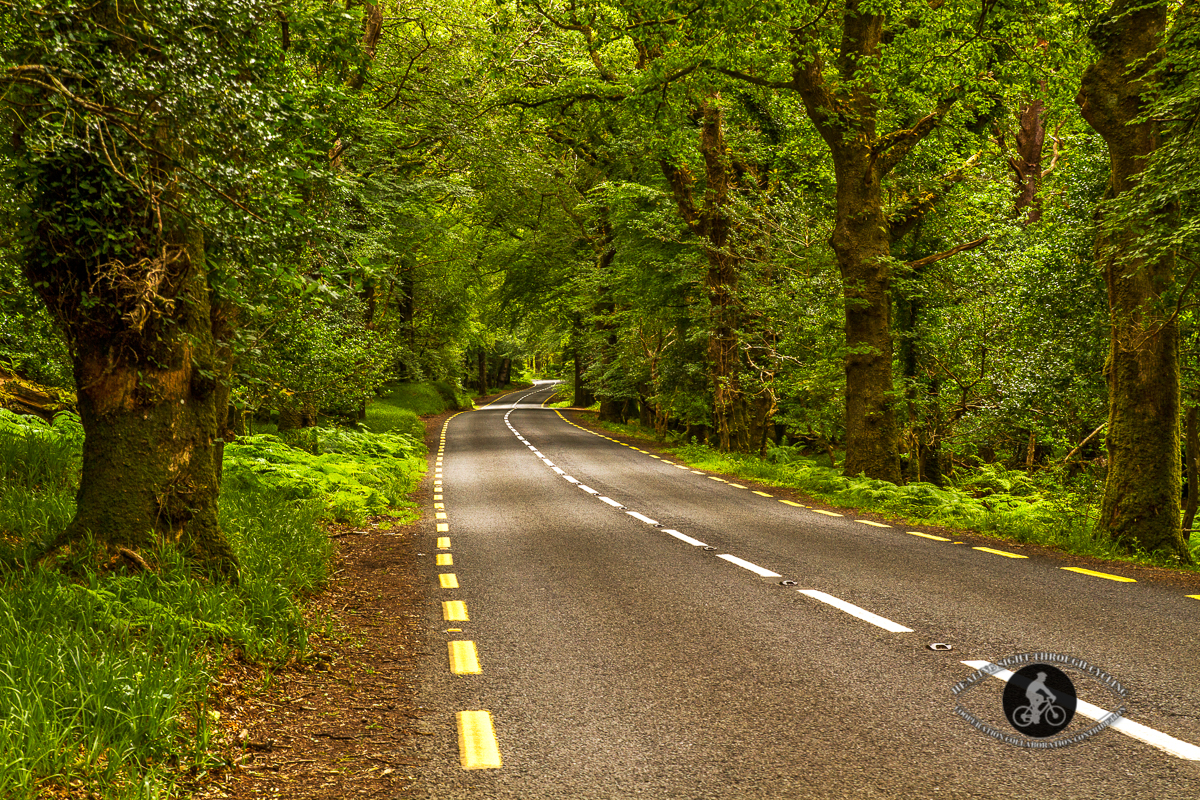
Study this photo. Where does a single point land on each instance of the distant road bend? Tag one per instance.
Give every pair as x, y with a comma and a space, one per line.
611, 624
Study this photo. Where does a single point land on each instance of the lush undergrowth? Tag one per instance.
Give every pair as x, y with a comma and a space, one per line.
104, 679
398, 410
1054, 511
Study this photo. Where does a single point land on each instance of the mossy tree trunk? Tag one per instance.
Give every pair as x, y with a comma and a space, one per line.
151, 363
1141, 504
710, 219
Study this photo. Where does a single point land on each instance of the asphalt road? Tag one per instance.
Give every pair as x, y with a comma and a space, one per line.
618, 658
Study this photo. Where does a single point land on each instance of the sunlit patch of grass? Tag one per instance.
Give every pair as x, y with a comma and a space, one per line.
104, 678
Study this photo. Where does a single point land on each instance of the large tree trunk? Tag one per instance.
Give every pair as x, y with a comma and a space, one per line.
863, 248
1141, 504
153, 421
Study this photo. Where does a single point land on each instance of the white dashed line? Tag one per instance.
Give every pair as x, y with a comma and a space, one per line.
681, 537
855, 611
608, 500
762, 572
588, 489
642, 517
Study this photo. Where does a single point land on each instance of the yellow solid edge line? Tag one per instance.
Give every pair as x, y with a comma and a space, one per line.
790, 503
443, 543
445, 560
872, 524
464, 658
762, 494
928, 536
448, 580
826, 513
454, 611
477, 747
999, 552
1093, 573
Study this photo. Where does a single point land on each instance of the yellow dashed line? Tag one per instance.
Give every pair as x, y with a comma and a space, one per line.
999, 552
738, 486
477, 747
1194, 596
445, 560
762, 494
872, 524
715, 478
826, 513
1095, 574
439, 515
437, 497
443, 543
443, 527
454, 611
448, 580
464, 658
790, 503
439, 505
928, 536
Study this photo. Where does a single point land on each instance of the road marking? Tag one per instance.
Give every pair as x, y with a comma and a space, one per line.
443, 527
439, 505
558, 470
1004, 553
1095, 574
454, 611
547, 462
437, 497
762, 494
855, 611
570, 479
738, 486
439, 515
755, 568
872, 524
444, 560
448, 580
790, 503
609, 500
928, 536
683, 538
1136, 730
826, 513
696, 472
464, 658
443, 543
588, 489
477, 747
715, 478
1194, 596
654, 456
642, 517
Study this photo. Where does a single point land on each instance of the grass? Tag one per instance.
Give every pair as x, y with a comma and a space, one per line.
399, 410
1052, 512
104, 679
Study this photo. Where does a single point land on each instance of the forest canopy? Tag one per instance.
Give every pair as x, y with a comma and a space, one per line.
910, 238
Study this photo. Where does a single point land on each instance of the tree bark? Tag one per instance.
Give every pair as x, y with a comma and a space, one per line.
153, 404
1193, 471
1141, 504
